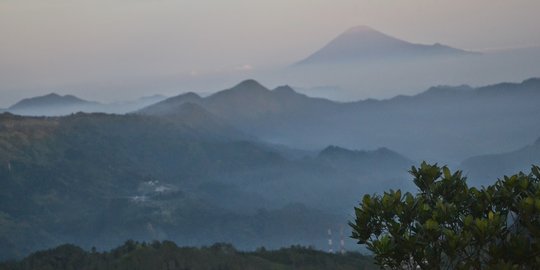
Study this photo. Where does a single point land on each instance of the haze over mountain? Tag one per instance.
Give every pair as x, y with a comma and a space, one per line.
102, 65
363, 43
444, 123
368, 64
365, 63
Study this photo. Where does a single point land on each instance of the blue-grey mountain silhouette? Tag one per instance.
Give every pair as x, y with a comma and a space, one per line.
363, 43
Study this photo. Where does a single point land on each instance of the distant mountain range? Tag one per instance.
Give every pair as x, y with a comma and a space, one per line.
470, 120
246, 165
363, 43
443, 123
55, 105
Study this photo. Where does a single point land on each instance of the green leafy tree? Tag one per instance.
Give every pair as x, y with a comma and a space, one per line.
448, 225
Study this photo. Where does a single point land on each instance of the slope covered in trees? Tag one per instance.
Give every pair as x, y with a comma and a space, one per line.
98, 179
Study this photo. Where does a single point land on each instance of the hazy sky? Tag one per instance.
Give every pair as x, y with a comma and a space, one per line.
88, 47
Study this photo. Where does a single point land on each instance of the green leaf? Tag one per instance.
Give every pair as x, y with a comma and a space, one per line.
446, 172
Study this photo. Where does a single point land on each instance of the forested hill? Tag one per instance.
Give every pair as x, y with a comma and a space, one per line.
99, 179
168, 256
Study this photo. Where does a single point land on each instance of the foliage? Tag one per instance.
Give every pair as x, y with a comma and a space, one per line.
448, 225
167, 255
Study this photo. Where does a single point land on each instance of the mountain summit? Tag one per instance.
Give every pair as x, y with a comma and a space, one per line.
363, 43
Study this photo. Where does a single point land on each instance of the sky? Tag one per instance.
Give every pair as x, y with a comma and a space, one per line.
120, 49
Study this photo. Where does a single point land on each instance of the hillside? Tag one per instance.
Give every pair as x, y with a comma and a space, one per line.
81, 178
99, 179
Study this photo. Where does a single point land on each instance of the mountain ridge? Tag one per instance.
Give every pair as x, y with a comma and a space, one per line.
247, 99
283, 116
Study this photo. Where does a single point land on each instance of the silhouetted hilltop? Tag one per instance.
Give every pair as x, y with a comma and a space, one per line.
57, 105
52, 100
247, 101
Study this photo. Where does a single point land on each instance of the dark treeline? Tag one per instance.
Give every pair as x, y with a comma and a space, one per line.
167, 255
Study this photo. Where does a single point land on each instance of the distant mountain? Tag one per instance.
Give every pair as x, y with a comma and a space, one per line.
51, 99
248, 99
57, 105
487, 168
444, 123
245, 104
47, 103
363, 43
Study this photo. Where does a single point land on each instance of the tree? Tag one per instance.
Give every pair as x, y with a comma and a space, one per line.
448, 225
